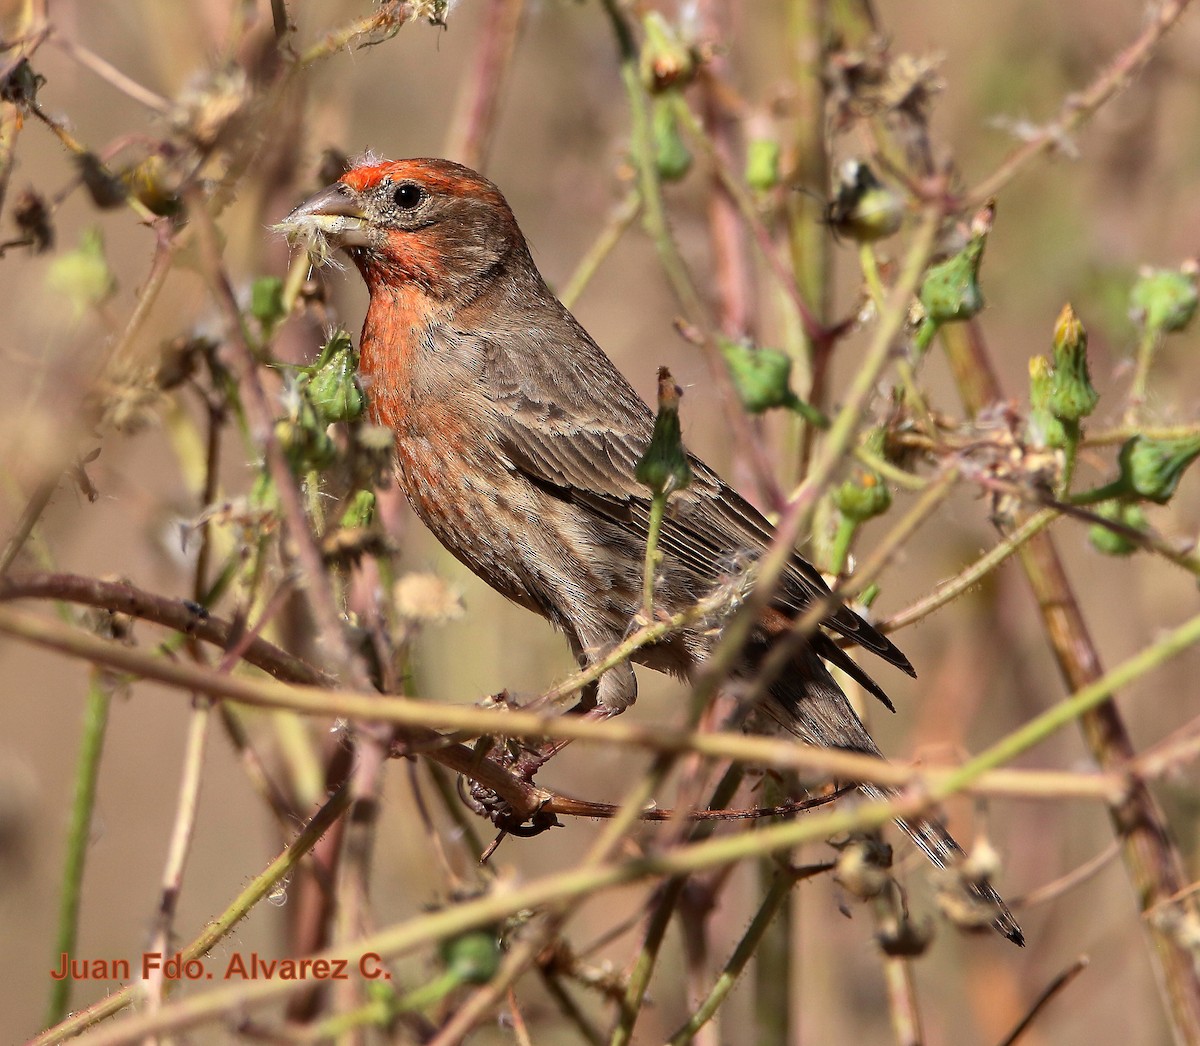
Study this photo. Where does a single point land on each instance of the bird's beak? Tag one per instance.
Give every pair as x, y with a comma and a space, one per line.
332, 218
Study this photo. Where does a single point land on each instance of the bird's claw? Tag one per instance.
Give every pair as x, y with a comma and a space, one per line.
488, 803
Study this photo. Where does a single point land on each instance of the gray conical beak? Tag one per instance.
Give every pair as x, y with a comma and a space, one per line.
332, 218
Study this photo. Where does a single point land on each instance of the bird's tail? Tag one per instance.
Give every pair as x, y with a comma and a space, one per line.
808, 703
941, 848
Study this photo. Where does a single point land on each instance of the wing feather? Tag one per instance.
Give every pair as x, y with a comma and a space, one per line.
589, 451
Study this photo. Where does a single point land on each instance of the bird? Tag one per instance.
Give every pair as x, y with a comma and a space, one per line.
517, 441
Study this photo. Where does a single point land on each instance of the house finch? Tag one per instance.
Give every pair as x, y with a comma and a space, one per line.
517, 440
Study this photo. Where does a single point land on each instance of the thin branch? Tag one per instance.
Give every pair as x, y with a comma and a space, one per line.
970, 576
1080, 107
1054, 988
186, 809
316, 583
419, 717
216, 930
184, 616
111, 74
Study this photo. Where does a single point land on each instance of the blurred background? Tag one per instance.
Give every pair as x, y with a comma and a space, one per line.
1073, 228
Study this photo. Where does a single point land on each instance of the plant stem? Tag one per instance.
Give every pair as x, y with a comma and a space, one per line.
87, 772
1147, 346
658, 506
218, 929
1151, 857
773, 900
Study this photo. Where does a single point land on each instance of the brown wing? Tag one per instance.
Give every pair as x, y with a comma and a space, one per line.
586, 445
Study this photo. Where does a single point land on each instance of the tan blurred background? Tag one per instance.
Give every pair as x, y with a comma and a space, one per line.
1066, 230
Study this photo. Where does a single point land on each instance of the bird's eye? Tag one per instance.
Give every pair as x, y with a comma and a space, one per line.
408, 195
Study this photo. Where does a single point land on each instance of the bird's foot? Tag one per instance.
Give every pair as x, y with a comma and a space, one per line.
488, 803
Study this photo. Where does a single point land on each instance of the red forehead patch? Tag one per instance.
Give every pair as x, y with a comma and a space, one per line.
437, 176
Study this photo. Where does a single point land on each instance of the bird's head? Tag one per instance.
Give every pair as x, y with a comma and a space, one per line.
430, 222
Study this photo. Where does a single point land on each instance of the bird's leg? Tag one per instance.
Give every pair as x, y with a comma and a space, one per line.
610, 695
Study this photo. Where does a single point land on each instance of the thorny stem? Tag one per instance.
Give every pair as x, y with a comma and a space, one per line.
111, 74
786, 646
420, 717
1109, 437
624, 819
493, 907
519, 959
1151, 857
732, 274
30, 515
775, 899
478, 104
908, 378
840, 439
31, 28
813, 328
1080, 106
843, 538
666, 901
1052, 990
390, 17
317, 584
114, 357
972, 575
903, 1009
187, 619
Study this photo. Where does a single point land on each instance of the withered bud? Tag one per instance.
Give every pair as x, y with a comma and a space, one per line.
33, 220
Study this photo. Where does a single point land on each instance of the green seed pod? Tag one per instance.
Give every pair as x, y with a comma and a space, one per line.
951, 288
951, 291
304, 439
1071, 393
82, 276
1152, 468
474, 957
865, 494
762, 164
1043, 428
333, 381
664, 467
760, 376
666, 61
360, 510
672, 157
1165, 300
1110, 542
863, 208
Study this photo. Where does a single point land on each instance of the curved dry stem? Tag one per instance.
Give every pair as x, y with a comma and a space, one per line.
1081, 106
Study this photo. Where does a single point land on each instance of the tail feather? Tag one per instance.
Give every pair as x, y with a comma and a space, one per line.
941, 848
808, 703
